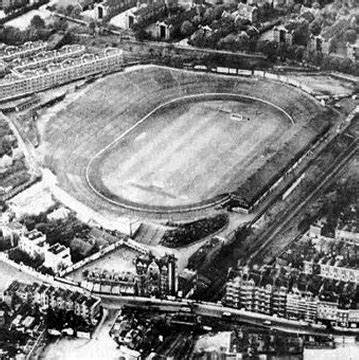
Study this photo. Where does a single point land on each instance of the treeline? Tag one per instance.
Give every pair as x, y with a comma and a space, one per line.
19, 8
188, 233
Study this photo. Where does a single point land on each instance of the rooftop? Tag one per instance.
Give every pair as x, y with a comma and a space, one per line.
57, 249
34, 234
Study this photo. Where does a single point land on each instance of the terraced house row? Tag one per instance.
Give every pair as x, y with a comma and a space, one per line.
30, 75
46, 296
243, 293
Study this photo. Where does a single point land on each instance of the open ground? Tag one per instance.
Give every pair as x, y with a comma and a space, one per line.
117, 261
197, 137
8, 274
191, 151
325, 84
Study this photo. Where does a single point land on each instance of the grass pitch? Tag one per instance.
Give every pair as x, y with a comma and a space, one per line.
192, 151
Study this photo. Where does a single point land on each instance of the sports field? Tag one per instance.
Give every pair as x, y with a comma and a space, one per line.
118, 143
192, 151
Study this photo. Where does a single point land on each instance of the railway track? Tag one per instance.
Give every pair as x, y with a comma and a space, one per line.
265, 241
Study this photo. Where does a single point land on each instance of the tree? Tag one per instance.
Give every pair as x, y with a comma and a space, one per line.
241, 24
218, 11
196, 20
208, 16
76, 12
301, 34
299, 52
60, 24
315, 28
92, 27
37, 22
350, 36
69, 9
187, 28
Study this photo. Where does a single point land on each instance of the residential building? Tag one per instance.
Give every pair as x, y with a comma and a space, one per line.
44, 58
353, 51
2, 317
110, 8
232, 296
156, 275
246, 294
146, 12
245, 11
301, 306
323, 42
262, 299
122, 283
339, 273
55, 74
315, 230
274, 3
353, 316
57, 257
282, 35
342, 317
348, 233
33, 243
278, 3
87, 307
160, 30
279, 301
11, 52
327, 310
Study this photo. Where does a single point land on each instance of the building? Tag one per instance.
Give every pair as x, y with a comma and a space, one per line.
274, 3
339, 273
353, 317
347, 233
33, 243
315, 230
45, 57
29, 48
282, 35
324, 41
248, 12
279, 301
57, 257
243, 293
147, 12
87, 307
353, 51
232, 296
58, 73
2, 317
300, 306
122, 283
327, 310
342, 317
156, 276
262, 299
110, 8
278, 3
160, 30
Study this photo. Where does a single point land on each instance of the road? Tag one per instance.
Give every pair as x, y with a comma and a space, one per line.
220, 312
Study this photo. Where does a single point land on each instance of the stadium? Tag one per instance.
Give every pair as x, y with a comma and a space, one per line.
158, 140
